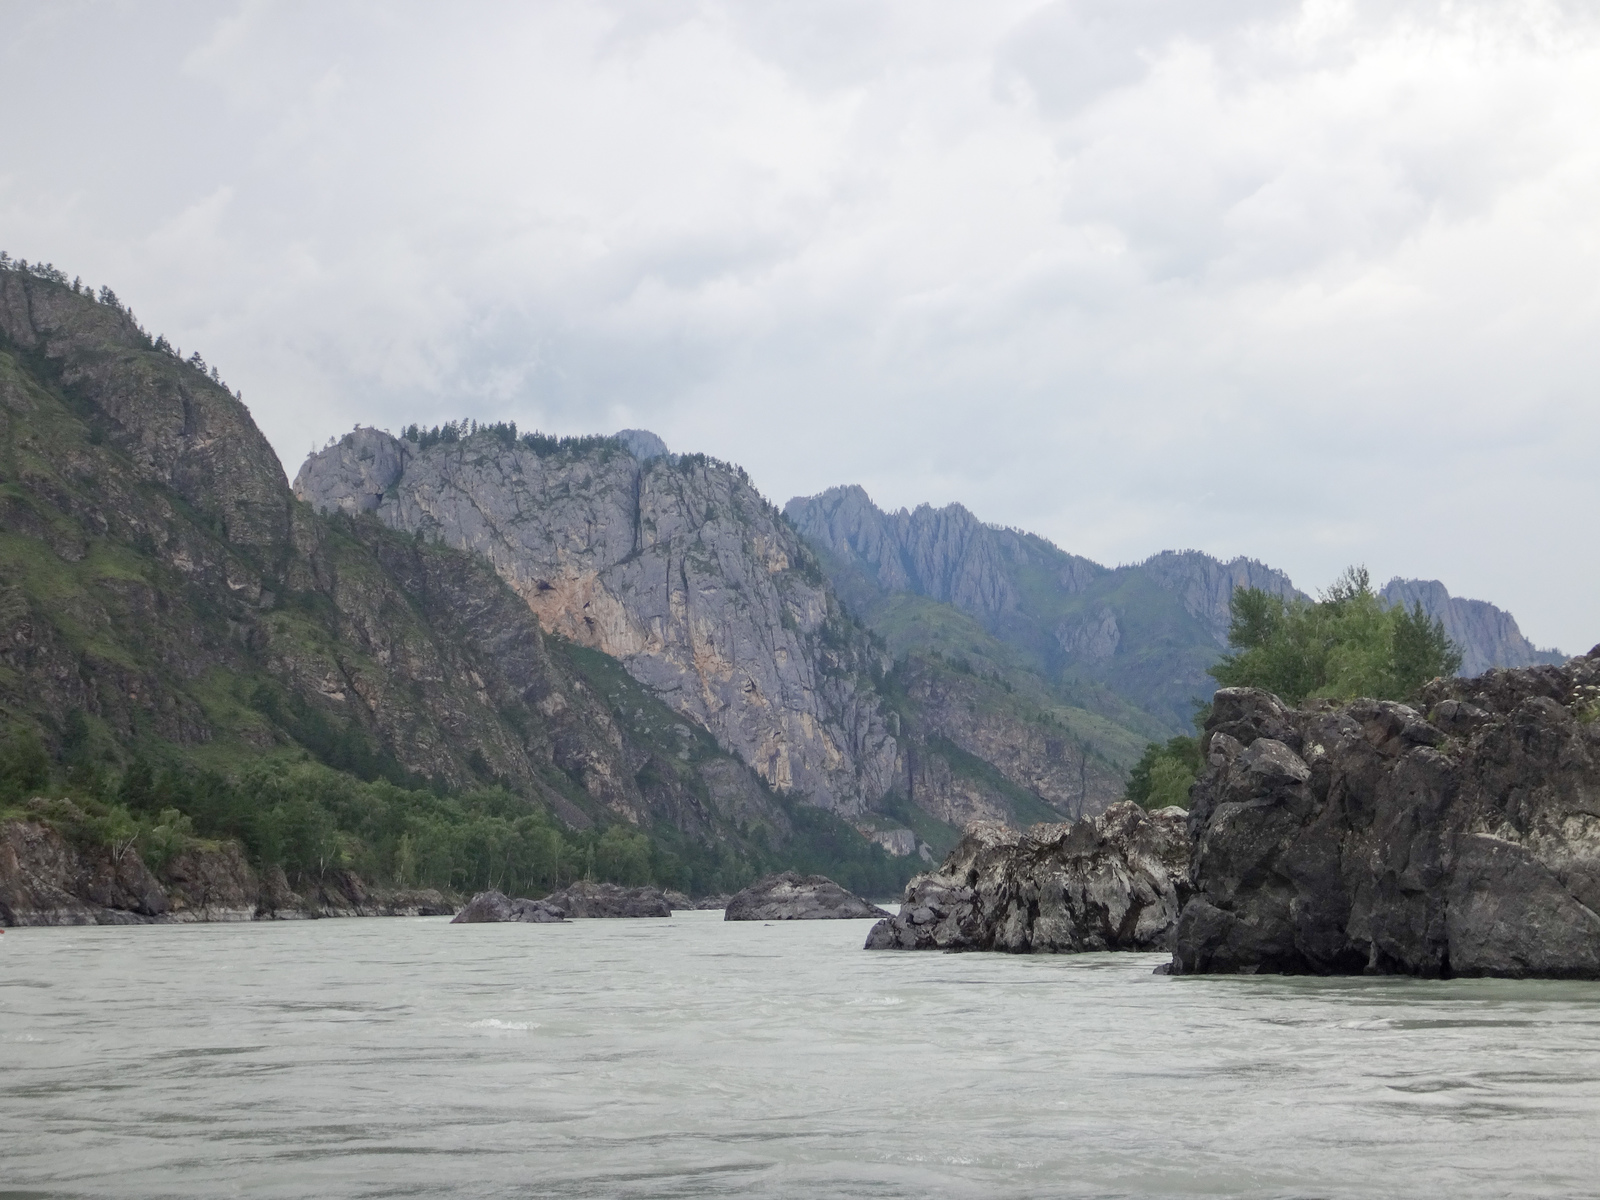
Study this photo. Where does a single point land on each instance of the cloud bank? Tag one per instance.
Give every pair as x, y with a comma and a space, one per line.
1316, 282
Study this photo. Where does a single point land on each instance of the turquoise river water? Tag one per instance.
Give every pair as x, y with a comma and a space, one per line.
688, 1057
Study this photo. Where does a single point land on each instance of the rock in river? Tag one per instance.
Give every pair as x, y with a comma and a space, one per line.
497, 906
1113, 883
1461, 837
795, 897
584, 899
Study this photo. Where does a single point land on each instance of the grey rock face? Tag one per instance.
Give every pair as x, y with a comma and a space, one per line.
494, 906
985, 723
677, 568
794, 897
642, 444
1488, 636
586, 899
369, 461
1375, 838
1206, 585
1114, 883
44, 880
1094, 637
945, 553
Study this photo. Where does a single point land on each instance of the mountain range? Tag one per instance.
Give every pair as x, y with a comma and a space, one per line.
613, 633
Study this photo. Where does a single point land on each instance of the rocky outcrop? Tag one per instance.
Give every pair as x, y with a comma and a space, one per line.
340, 893
675, 566
793, 897
1487, 636
1114, 883
494, 906
46, 880
585, 899
1460, 837
212, 883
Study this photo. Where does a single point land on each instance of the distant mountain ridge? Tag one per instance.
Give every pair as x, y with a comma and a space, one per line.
1488, 636
1147, 631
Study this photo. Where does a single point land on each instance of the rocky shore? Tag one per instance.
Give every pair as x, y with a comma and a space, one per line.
1460, 837
1113, 883
47, 880
790, 896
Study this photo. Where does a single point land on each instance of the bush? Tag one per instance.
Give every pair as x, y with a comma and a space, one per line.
1348, 644
1164, 774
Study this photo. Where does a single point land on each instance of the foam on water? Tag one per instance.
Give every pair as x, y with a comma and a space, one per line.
693, 1057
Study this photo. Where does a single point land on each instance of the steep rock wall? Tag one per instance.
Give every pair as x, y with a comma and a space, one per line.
676, 567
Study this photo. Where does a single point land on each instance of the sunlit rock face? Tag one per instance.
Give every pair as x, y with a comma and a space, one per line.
674, 565
1460, 837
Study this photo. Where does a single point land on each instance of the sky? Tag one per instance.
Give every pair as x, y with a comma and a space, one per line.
1316, 283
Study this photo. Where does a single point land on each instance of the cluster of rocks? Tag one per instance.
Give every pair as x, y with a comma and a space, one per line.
1116, 882
1461, 837
47, 880
495, 906
784, 897
790, 896
581, 899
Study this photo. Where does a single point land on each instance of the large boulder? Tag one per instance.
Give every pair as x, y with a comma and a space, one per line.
1460, 837
1112, 883
585, 899
494, 906
794, 897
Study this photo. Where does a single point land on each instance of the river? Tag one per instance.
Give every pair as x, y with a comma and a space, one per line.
689, 1057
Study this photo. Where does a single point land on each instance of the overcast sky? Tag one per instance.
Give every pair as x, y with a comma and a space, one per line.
1317, 282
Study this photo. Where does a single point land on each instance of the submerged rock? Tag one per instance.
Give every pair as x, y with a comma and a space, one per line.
795, 897
493, 906
1114, 883
1458, 838
586, 899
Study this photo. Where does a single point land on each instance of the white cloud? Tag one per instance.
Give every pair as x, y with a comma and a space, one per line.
1310, 281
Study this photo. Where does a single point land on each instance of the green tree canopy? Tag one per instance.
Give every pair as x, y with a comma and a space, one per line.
1347, 644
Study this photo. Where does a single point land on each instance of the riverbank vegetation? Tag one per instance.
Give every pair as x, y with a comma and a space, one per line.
292, 811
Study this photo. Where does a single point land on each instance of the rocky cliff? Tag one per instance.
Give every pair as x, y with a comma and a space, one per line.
163, 592
1461, 837
1145, 633
1113, 883
675, 566
1488, 636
